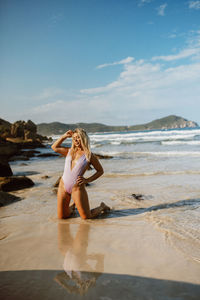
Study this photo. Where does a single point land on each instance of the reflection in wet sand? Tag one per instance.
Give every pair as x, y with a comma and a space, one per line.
81, 269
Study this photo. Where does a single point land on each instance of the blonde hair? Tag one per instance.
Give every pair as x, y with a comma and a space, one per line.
85, 143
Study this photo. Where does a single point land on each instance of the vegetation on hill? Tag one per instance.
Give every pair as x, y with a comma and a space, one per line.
171, 121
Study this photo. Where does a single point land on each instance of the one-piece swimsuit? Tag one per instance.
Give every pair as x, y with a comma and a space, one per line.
70, 174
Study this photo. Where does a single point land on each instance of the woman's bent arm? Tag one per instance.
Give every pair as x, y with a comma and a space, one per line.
56, 145
99, 171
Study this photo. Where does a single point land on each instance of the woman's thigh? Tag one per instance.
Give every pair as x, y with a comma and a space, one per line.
80, 197
63, 200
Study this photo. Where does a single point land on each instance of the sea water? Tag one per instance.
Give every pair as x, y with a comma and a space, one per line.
161, 165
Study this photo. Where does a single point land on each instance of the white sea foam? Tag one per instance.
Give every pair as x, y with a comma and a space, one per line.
155, 153
156, 173
193, 143
128, 138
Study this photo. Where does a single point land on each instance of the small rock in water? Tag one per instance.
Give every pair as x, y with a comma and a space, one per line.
45, 177
6, 198
47, 155
57, 182
14, 183
5, 169
137, 196
100, 156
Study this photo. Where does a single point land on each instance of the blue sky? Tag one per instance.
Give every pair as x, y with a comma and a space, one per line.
109, 61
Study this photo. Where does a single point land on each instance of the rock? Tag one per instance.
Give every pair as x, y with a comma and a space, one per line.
5, 169
100, 156
6, 198
29, 153
26, 144
17, 129
5, 127
55, 190
30, 126
45, 177
25, 130
137, 196
23, 164
18, 157
29, 135
57, 182
47, 155
14, 183
8, 149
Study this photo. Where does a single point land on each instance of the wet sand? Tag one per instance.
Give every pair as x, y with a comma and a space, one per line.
45, 258
122, 255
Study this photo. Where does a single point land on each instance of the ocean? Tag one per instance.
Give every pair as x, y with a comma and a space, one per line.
161, 165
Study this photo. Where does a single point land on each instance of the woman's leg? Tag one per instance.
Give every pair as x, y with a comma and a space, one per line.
80, 197
63, 199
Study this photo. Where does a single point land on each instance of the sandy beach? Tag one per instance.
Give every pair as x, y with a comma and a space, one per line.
118, 256
142, 249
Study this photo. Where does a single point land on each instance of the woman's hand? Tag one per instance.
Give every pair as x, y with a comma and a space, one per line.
68, 134
81, 180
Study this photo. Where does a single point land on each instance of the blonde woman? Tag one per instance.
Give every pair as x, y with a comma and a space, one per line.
72, 183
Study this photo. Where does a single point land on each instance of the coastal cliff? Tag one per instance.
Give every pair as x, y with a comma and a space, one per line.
168, 122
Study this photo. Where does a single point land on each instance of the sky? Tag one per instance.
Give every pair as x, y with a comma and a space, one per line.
117, 62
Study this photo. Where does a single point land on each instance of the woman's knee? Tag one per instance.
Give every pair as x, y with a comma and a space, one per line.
84, 217
62, 215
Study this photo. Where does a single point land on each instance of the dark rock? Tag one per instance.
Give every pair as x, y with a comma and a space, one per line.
17, 129
137, 196
100, 156
29, 153
45, 177
55, 190
47, 155
57, 182
8, 149
26, 144
6, 198
14, 183
23, 164
5, 127
25, 130
30, 126
18, 157
5, 169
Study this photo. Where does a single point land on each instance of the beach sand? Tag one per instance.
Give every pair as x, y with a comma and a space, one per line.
121, 255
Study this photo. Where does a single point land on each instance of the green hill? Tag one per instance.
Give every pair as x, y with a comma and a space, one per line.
171, 121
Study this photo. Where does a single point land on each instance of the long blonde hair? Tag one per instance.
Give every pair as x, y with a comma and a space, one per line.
85, 143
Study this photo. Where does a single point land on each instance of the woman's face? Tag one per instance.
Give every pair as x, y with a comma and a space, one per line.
76, 139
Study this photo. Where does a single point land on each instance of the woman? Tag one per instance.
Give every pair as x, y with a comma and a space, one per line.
72, 183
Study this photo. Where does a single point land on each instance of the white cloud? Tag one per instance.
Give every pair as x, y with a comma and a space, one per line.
142, 2
182, 54
172, 36
55, 19
49, 93
121, 62
161, 9
194, 4
144, 90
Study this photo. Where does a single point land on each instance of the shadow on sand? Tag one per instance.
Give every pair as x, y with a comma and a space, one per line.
56, 284
115, 213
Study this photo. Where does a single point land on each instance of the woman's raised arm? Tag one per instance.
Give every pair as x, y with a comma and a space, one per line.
56, 145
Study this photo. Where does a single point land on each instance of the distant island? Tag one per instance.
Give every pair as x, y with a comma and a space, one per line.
169, 122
